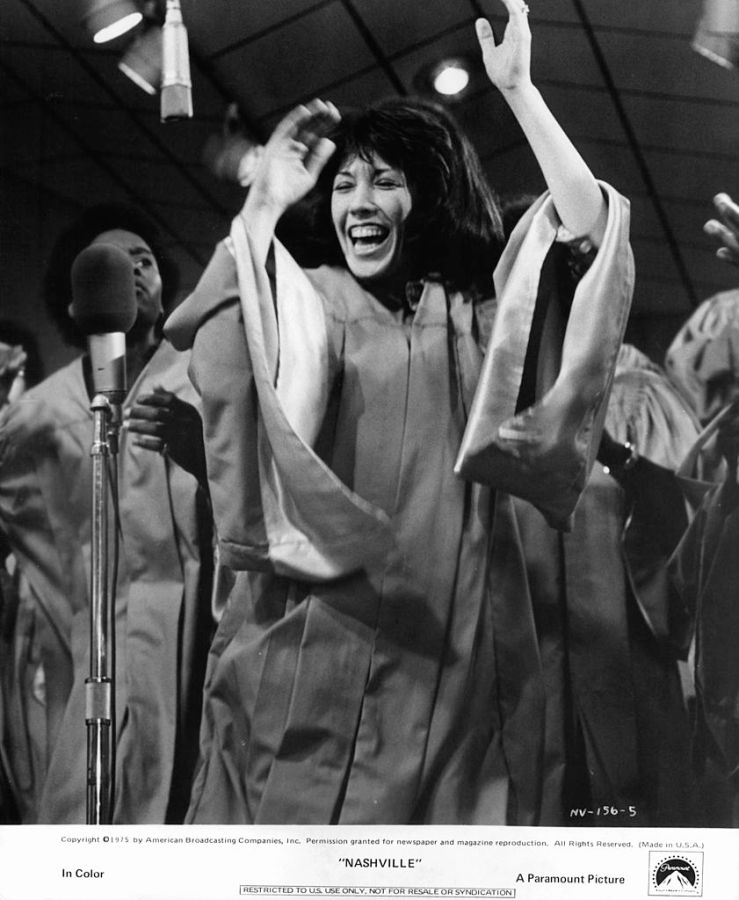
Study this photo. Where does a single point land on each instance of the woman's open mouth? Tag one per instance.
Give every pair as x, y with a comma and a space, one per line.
365, 239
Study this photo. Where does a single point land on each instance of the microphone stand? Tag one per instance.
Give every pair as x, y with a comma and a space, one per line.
99, 687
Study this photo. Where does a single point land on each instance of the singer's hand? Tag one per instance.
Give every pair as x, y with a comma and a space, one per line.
12, 362
507, 63
293, 157
165, 424
725, 231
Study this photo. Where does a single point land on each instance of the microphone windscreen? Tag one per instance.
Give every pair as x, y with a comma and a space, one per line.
103, 290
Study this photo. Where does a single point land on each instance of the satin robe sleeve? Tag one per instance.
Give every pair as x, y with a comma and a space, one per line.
544, 452
262, 367
706, 570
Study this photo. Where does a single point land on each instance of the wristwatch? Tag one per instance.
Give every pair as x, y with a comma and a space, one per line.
630, 458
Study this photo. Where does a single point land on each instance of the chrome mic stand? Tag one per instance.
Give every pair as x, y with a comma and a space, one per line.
100, 686
104, 309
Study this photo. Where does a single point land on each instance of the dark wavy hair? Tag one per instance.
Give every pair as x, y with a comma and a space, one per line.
57, 285
454, 229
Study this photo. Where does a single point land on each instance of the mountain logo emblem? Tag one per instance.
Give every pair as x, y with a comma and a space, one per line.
676, 875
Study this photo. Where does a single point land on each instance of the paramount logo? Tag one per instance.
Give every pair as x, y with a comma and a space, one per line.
675, 874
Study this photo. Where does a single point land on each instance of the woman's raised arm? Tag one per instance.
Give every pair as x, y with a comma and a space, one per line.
574, 190
292, 160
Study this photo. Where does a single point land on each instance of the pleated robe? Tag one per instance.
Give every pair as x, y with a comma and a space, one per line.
374, 697
406, 688
704, 569
609, 626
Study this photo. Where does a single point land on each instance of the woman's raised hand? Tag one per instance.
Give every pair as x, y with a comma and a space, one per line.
508, 63
12, 362
293, 157
725, 230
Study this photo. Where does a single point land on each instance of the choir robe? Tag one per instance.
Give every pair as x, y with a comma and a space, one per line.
162, 605
704, 570
610, 627
407, 689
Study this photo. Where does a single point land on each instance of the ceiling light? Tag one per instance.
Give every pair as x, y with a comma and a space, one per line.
108, 19
142, 61
717, 35
450, 78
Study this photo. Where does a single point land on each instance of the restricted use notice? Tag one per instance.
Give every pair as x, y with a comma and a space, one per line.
383, 891
372, 863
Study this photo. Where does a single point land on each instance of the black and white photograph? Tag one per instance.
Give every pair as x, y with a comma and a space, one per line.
369, 436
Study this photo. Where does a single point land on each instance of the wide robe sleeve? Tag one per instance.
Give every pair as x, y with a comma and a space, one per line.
705, 570
41, 461
260, 366
702, 356
545, 452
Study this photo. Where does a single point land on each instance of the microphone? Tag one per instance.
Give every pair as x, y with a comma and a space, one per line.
104, 308
176, 94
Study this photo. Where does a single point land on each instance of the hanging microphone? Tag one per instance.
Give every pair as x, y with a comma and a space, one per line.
104, 308
176, 94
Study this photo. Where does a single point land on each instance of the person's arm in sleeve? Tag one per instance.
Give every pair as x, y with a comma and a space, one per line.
575, 192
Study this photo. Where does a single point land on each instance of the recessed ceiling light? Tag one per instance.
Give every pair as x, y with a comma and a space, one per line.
450, 78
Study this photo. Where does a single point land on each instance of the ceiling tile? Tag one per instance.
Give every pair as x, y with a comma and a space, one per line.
198, 225
705, 268
396, 26
80, 181
219, 24
685, 218
514, 172
312, 53
654, 64
684, 126
53, 75
365, 88
588, 112
157, 180
659, 297
33, 139
692, 177
21, 21
664, 16
17, 23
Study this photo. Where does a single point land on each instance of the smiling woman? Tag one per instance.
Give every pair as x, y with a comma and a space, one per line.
369, 207
403, 167
375, 662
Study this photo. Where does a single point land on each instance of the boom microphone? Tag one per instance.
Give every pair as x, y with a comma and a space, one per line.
104, 309
176, 94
